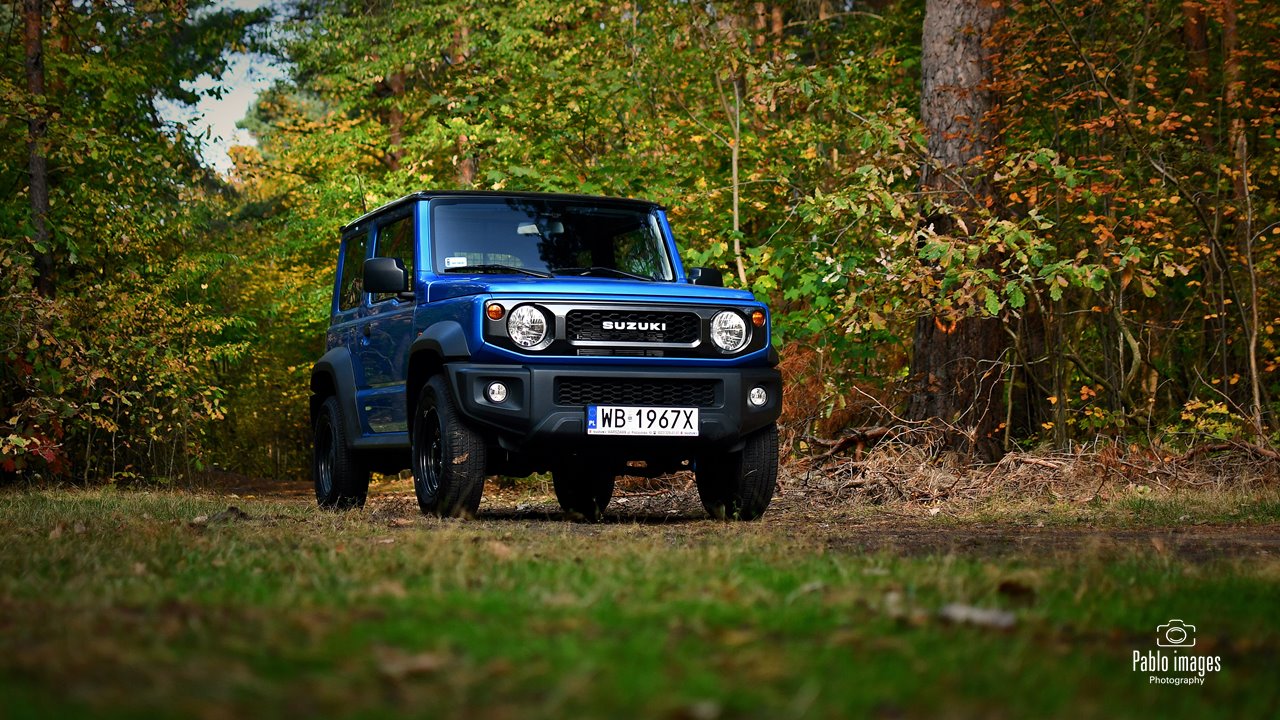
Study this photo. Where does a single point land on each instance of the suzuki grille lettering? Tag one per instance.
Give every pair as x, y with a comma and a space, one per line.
632, 325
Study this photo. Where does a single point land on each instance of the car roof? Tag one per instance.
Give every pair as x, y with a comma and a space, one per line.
437, 194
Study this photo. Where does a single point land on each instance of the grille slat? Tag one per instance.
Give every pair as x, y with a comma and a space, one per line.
679, 327
656, 393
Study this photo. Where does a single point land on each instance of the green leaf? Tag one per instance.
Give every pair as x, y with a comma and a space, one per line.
1016, 297
992, 302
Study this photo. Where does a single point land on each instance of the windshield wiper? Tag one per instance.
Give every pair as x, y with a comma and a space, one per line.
601, 270
498, 270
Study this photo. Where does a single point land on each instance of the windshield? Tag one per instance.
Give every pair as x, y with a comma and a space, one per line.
535, 236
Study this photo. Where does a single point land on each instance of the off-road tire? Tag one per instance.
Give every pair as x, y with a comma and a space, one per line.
584, 492
341, 477
739, 485
448, 456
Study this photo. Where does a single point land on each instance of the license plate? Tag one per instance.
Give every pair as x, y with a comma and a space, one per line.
628, 420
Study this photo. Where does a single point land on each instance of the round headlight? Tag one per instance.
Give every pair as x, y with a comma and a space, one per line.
527, 326
728, 331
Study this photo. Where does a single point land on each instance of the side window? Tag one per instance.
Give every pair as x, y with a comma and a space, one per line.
352, 287
395, 239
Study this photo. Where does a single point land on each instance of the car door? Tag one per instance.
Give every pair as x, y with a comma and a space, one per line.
350, 302
387, 330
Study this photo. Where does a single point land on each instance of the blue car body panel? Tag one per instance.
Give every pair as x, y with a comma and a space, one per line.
445, 316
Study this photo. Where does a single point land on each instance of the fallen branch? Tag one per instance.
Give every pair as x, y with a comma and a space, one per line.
860, 438
1028, 460
1256, 450
653, 493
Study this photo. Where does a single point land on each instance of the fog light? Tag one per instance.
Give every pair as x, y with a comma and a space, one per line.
758, 396
497, 392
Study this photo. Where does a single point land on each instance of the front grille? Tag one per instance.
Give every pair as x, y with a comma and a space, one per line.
655, 393
676, 327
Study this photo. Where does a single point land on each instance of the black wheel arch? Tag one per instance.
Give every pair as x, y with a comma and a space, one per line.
442, 342
334, 376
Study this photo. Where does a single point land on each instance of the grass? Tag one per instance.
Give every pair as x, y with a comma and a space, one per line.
116, 604
1134, 508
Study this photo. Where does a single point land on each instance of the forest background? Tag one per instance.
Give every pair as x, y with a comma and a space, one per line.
1107, 248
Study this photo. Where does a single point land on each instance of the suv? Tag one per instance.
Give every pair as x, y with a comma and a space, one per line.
486, 333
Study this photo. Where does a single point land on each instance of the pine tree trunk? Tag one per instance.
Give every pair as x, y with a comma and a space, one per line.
957, 367
37, 163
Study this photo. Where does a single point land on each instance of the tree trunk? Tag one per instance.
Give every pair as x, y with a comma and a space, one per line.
957, 366
465, 160
395, 121
1239, 147
1196, 40
1236, 141
37, 163
466, 163
735, 122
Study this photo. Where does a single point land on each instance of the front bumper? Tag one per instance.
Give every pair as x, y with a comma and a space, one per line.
545, 409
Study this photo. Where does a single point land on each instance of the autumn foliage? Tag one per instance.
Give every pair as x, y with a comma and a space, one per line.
1126, 249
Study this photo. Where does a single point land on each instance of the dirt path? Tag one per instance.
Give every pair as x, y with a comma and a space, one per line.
847, 527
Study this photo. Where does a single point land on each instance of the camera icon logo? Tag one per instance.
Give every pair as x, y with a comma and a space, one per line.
1176, 633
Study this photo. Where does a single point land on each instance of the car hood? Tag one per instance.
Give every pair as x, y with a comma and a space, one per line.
596, 288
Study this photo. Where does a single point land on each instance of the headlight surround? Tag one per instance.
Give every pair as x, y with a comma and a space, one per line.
729, 331
527, 326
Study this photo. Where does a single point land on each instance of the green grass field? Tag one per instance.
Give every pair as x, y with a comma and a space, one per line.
115, 603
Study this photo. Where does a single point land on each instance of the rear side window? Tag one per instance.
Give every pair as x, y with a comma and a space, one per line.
352, 287
395, 239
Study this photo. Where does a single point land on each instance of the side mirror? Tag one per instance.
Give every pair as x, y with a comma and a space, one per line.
385, 276
706, 276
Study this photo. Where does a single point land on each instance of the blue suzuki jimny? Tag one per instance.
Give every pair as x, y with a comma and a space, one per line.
478, 333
